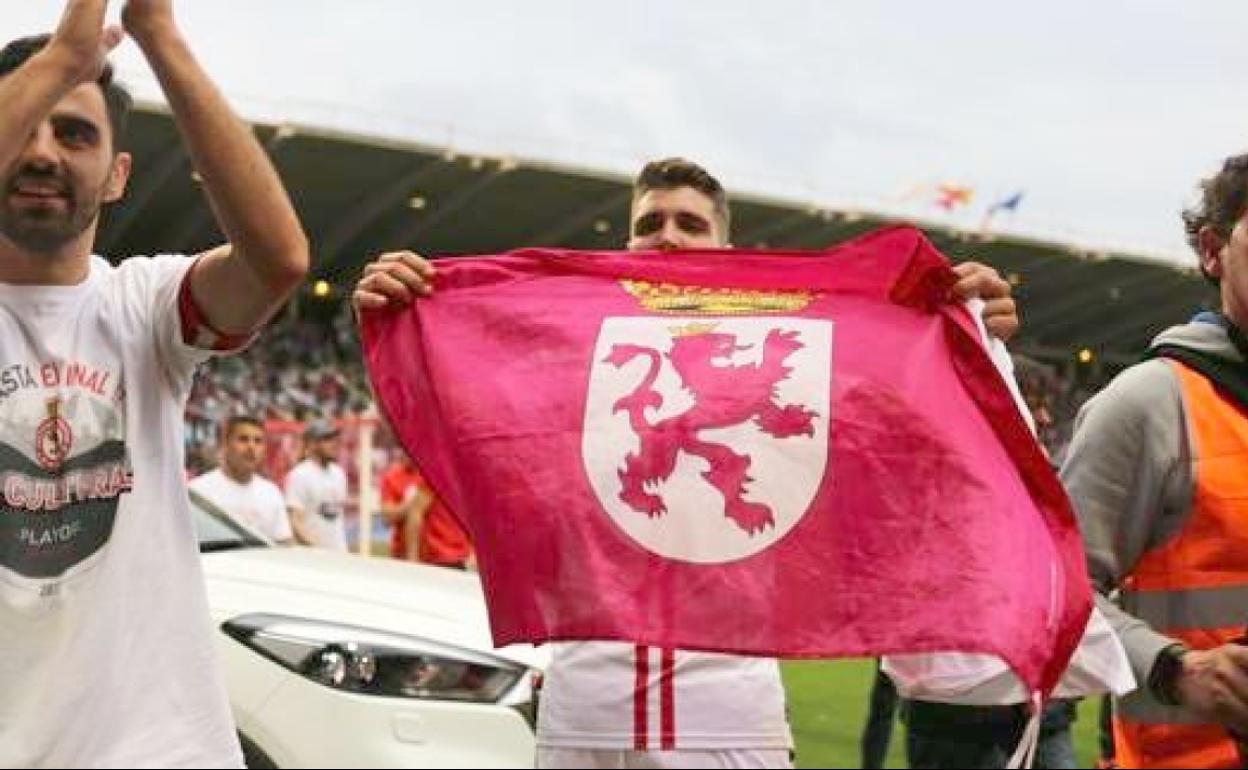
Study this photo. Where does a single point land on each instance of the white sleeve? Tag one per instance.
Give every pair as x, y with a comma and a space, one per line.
297, 492
1000, 356
153, 283
279, 521
203, 485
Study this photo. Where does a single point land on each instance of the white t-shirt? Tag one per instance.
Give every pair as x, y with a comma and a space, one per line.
321, 492
591, 699
106, 651
257, 504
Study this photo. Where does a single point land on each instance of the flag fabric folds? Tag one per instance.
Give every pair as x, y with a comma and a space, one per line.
795, 454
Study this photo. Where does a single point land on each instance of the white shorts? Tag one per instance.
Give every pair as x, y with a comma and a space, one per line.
696, 759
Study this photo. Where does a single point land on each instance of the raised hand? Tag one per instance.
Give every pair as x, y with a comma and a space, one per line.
81, 41
979, 280
143, 17
393, 280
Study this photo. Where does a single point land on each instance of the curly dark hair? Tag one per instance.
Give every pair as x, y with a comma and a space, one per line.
1223, 201
116, 98
674, 173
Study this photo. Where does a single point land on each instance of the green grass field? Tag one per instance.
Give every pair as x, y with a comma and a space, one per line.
828, 704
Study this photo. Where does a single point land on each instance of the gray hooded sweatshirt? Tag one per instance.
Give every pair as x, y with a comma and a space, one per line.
1130, 476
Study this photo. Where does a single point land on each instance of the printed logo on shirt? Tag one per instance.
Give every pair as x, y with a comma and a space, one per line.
329, 511
54, 438
706, 438
63, 469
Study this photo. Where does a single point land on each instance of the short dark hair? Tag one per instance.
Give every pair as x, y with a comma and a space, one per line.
241, 419
117, 99
1035, 380
1223, 201
674, 173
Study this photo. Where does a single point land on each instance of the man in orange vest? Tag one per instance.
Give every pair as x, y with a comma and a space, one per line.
1158, 474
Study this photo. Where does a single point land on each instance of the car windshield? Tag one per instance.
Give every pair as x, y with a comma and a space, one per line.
216, 531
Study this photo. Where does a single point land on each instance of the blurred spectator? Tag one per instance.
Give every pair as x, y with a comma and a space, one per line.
1039, 385
316, 490
423, 529
237, 487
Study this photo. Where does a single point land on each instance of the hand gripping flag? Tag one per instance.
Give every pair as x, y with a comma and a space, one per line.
781, 454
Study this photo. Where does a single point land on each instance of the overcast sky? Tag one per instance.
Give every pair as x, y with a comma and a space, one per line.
1105, 113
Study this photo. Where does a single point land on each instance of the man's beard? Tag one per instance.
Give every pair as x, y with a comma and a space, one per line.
45, 230
241, 470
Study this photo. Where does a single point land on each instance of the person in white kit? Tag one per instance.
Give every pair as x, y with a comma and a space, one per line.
316, 490
622, 705
238, 489
106, 645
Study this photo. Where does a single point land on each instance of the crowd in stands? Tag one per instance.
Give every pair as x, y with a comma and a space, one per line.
297, 370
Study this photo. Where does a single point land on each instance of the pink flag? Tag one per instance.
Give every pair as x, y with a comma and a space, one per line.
783, 454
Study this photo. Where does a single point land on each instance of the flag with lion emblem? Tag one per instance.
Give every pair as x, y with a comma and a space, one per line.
782, 454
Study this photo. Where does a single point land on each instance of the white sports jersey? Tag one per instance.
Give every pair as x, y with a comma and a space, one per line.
616, 695
106, 646
257, 504
321, 492
620, 759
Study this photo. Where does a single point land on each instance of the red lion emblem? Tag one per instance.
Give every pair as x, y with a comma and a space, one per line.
724, 395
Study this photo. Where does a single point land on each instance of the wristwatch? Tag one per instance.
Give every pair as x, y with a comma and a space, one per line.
1163, 680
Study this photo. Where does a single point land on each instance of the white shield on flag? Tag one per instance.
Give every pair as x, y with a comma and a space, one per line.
706, 439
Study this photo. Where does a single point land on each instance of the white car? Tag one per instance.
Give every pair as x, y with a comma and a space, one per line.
334, 660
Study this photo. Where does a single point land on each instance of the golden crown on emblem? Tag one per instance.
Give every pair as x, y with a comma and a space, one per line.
700, 300
692, 329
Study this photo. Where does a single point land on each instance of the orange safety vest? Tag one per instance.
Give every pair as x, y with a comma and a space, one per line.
1193, 586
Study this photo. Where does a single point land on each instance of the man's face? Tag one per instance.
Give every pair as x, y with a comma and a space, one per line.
325, 449
682, 218
244, 450
53, 191
1229, 264
1041, 410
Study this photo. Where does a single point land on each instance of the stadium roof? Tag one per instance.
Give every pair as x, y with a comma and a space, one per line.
359, 196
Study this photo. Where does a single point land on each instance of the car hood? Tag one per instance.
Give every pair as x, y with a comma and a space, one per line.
434, 603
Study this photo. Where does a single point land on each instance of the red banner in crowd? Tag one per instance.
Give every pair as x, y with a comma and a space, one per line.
783, 454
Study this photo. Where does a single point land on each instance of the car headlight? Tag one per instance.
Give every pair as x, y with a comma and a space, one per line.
373, 662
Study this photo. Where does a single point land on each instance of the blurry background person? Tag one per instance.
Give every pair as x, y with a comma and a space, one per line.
237, 487
316, 490
422, 528
1040, 388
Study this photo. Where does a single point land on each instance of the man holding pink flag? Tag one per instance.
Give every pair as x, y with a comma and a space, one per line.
686, 448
